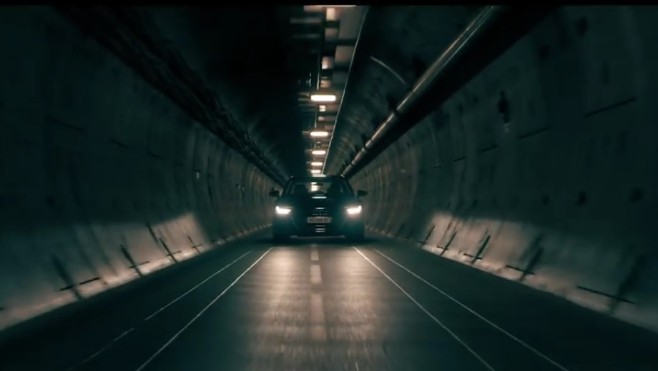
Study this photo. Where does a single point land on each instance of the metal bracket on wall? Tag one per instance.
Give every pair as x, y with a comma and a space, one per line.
530, 267
533, 253
195, 246
615, 298
133, 264
624, 287
169, 252
66, 277
397, 234
70, 283
450, 240
483, 245
427, 237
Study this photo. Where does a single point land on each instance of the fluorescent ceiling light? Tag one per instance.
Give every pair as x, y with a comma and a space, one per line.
319, 152
316, 163
319, 6
315, 171
319, 134
331, 14
323, 97
322, 108
327, 63
306, 20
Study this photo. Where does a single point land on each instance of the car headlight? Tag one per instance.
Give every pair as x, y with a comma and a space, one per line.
353, 210
283, 210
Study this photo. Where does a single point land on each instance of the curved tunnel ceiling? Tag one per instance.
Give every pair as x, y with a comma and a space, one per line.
250, 70
385, 69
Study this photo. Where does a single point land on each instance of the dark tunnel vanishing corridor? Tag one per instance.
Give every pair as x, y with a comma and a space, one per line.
509, 156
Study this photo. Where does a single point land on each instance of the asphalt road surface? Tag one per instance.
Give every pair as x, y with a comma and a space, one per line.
328, 305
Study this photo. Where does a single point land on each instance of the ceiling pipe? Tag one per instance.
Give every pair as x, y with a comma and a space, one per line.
475, 28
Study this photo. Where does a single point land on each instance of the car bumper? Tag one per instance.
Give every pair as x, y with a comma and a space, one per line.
289, 227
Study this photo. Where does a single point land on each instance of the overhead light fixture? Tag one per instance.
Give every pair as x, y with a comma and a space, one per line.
331, 14
319, 152
316, 163
317, 8
327, 63
319, 134
305, 20
323, 97
315, 171
322, 108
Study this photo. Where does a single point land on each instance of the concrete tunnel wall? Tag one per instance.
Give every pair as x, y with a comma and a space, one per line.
560, 181
98, 170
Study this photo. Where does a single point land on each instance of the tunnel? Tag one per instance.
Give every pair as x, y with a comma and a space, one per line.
506, 157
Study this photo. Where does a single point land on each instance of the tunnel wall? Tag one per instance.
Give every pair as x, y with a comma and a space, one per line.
542, 169
102, 178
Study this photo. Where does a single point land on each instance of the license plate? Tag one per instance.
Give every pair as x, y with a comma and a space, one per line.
318, 220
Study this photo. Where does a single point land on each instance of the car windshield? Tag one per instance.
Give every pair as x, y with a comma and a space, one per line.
330, 187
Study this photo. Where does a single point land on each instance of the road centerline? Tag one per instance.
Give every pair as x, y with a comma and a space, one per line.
314, 254
316, 275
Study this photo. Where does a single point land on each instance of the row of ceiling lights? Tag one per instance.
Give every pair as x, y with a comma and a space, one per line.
322, 97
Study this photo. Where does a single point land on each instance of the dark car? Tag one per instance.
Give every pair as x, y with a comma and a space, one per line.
318, 206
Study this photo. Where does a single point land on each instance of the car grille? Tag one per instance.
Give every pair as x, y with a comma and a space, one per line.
319, 212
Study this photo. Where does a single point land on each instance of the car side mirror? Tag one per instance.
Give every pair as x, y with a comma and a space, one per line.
274, 193
361, 193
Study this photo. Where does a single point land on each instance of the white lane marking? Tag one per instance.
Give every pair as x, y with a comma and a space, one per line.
459, 340
176, 335
527, 346
316, 275
195, 287
314, 254
106, 347
123, 334
318, 326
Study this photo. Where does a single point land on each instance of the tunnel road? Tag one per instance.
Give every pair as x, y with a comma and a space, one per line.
330, 305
